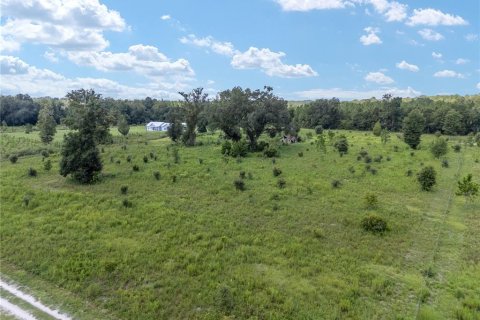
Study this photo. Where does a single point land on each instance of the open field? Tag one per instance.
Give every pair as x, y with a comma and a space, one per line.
191, 246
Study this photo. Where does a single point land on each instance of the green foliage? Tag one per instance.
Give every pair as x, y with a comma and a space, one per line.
145, 159
371, 201
321, 143
224, 300
239, 149
319, 129
427, 177
281, 183
31, 172
194, 102
445, 163
467, 187
276, 172
336, 184
270, 152
413, 126
13, 158
341, 144
453, 123
135, 168
439, 147
375, 224
175, 130
156, 175
457, 148
385, 136
123, 189
47, 165
122, 126
239, 184
226, 147
46, 123
377, 129
28, 128
127, 203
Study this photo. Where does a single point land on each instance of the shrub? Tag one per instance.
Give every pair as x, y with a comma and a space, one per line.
439, 148
26, 199
156, 174
176, 155
363, 153
276, 172
239, 184
152, 155
47, 165
467, 187
351, 170
224, 300
319, 129
445, 163
242, 174
336, 183
409, 173
127, 203
378, 158
262, 145
32, 172
270, 152
226, 147
300, 154
13, 158
367, 159
377, 129
200, 161
174, 178
145, 159
281, 183
457, 148
373, 171
427, 178
371, 201
395, 148
250, 176
129, 158
123, 189
389, 158
45, 153
375, 224
135, 168
239, 149
341, 144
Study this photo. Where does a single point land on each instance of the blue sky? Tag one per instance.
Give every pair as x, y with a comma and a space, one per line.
305, 49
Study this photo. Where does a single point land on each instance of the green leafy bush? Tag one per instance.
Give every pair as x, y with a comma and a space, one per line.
375, 224
239, 184
276, 172
427, 178
13, 158
270, 152
123, 189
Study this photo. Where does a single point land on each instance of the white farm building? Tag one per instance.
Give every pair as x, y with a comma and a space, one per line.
157, 126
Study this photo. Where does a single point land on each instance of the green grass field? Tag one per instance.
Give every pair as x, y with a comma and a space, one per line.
197, 248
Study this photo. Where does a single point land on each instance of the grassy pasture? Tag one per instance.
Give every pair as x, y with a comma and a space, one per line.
193, 247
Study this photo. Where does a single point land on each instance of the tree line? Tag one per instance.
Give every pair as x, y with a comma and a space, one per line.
452, 115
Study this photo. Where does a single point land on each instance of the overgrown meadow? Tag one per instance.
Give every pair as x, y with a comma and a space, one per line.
167, 234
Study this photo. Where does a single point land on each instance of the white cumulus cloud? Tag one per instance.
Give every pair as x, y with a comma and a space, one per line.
392, 10
371, 37
223, 48
270, 63
430, 35
351, 94
462, 61
166, 17
448, 74
471, 37
378, 77
307, 5
69, 25
404, 65
437, 55
433, 17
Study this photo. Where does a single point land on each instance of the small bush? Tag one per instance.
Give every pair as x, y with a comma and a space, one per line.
27, 198
261, 146
145, 159
363, 153
378, 158
427, 178
127, 203
318, 129
389, 158
445, 163
239, 184
351, 170
224, 300
156, 174
242, 174
457, 148
373, 171
32, 172
371, 201
300, 154
239, 149
129, 158
270, 152
412, 154
13, 158
367, 159
250, 176
276, 172
281, 183
395, 148
341, 144
135, 168
47, 165
45, 153
174, 178
226, 147
439, 148
200, 161
123, 189
152, 155
375, 224
409, 173
336, 184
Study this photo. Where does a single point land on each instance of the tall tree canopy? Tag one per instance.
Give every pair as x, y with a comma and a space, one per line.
194, 102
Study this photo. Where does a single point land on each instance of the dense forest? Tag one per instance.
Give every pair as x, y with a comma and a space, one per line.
452, 115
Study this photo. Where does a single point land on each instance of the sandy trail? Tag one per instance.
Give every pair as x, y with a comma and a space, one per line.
19, 312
